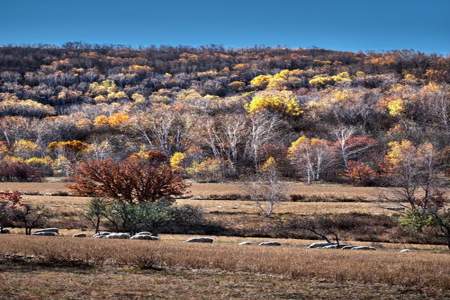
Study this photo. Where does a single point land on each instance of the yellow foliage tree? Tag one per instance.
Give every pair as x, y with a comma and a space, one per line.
73, 146
395, 107
360, 74
399, 151
3, 149
341, 95
104, 87
118, 119
39, 161
261, 81
177, 159
324, 80
138, 98
61, 166
311, 155
280, 101
101, 120
269, 165
410, 77
408, 164
189, 94
25, 148
117, 95
278, 81
25, 107
139, 69
100, 98
25, 145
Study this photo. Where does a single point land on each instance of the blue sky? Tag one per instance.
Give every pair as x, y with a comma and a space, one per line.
333, 24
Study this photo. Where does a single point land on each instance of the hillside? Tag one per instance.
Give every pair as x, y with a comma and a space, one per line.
221, 113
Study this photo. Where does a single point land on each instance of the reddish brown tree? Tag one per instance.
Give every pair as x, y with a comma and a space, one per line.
132, 180
360, 173
20, 214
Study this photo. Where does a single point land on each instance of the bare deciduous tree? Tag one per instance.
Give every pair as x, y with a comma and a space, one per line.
350, 145
267, 190
264, 128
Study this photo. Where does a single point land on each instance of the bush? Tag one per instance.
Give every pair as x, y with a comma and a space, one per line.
185, 218
18, 171
96, 212
16, 213
360, 173
148, 216
136, 217
5, 219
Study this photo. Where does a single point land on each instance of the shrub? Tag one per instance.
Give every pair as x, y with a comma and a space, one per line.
4, 217
136, 217
149, 216
43, 164
18, 214
18, 171
360, 173
96, 212
186, 217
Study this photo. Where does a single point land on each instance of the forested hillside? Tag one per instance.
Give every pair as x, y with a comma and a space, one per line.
219, 114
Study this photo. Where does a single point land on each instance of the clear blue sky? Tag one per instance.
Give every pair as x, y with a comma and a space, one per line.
335, 24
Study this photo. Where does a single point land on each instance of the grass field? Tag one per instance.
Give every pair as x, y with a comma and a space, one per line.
240, 216
208, 189
364, 199
236, 217
72, 203
22, 282
72, 263
69, 268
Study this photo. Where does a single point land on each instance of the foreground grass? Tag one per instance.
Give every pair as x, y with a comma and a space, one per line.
25, 282
429, 272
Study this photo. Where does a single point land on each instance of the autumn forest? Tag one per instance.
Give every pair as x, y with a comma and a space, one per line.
223, 114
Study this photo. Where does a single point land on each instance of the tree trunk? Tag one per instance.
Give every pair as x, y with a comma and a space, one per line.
97, 225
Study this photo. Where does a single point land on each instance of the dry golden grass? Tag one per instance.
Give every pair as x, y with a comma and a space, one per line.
71, 204
303, 208
34, 187
337, 191
22, 282
67, 204
286, 242
302, 243
430, 271
206, 189
294, 188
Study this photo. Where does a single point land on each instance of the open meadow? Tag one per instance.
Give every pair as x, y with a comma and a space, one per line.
102, 268
364, 212
66, 267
